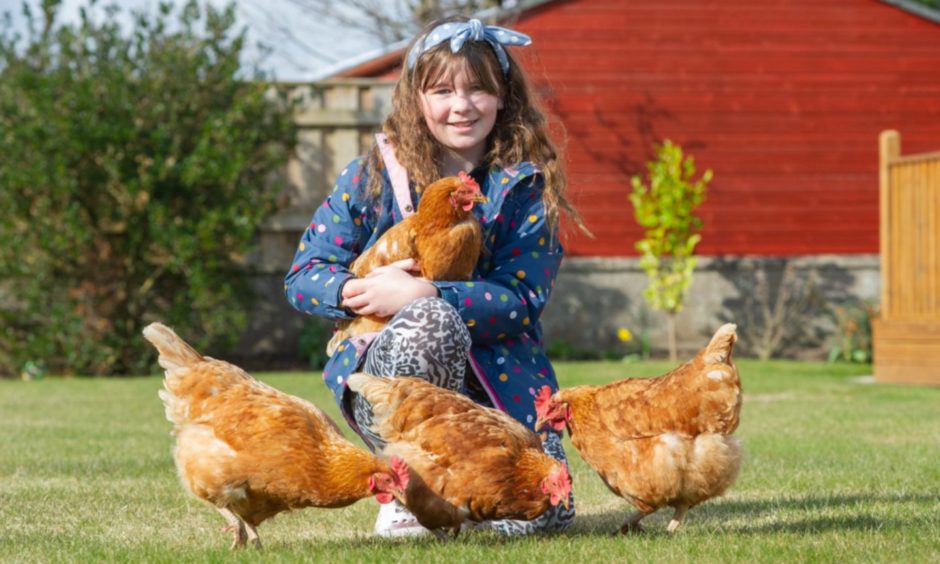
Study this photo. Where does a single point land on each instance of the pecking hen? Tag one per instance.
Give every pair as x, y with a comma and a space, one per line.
658, 442
443, 236
252, 451
466, 461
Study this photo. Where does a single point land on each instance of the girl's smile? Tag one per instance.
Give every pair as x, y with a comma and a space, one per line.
463, 125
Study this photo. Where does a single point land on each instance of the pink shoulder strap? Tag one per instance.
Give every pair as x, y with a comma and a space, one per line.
397, 174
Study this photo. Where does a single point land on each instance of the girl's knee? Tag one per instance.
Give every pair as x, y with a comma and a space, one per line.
427, 319
426, 339
431, 309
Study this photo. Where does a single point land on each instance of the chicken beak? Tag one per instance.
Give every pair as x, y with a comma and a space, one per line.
539, 423
480, 199
567, 502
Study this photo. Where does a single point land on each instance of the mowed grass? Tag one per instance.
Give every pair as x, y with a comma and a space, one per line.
837, 469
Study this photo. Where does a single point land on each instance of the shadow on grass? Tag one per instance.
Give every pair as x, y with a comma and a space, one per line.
796, 514
806, 514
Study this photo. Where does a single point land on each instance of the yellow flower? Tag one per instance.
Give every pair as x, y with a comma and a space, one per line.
624, 335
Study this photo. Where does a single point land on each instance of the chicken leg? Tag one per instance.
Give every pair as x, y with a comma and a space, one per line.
235, 526
632, 524
677, 518
253, 535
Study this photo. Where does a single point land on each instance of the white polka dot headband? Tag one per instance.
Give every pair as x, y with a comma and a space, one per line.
474, 30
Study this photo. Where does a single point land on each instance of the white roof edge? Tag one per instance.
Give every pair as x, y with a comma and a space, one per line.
352, 62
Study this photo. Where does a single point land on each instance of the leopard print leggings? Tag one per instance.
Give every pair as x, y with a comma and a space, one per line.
428, 339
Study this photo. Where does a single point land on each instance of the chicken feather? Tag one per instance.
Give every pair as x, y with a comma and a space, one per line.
662, 441
467, 461
443, 237
253, 451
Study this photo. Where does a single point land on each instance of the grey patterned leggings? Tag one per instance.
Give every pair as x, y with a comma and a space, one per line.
427, 339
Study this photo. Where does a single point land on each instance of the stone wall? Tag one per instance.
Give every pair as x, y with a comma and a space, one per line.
595, 297
792, 297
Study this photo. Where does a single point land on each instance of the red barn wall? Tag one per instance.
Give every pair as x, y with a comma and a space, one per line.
783, 100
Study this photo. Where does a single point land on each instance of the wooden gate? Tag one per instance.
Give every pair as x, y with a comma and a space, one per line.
907, 333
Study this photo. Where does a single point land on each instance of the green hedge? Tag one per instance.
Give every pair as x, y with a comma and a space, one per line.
137, 163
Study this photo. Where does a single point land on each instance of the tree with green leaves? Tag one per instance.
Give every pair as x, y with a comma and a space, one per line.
138, 163
665, 207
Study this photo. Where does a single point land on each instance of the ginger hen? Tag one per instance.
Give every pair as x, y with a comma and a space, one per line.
658, 442
253, 451
466, 461
443, 237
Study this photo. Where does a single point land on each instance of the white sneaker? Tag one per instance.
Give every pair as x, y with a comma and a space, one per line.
395, 520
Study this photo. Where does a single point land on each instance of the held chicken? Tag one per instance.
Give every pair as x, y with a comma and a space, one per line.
252, 451
466, 461
442, 236
658, 442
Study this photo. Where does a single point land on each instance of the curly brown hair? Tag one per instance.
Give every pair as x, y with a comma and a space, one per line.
519, 134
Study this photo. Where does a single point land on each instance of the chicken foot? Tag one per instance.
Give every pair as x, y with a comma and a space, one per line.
632, 524
445, 535
235, 526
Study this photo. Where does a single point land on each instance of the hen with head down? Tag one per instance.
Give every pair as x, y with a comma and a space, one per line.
252, 451
658, 442
467, 462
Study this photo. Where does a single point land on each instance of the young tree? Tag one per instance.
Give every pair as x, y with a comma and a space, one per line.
137, 165
665, 208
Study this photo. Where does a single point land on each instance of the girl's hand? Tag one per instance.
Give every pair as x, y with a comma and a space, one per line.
387, 289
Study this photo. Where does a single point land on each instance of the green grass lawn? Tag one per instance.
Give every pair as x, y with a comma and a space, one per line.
836, 469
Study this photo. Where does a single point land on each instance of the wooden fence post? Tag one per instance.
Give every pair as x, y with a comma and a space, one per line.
889, 145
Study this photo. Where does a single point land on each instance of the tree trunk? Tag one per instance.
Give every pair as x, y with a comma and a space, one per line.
673, 355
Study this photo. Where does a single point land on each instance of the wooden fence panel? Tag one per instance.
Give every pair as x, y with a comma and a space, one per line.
336, 121
907, 332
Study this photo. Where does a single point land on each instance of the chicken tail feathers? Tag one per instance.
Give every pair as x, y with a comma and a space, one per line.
719, 349
365, 385
174, 352
176, 356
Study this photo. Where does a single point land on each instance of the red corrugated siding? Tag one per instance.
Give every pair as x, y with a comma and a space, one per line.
784, 100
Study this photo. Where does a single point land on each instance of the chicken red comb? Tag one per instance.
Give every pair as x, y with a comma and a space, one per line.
468, 181
543, 397
400, 469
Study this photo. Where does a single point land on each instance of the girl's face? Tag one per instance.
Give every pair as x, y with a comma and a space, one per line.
460, 115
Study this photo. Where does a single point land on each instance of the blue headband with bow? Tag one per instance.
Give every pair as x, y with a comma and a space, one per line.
474, 30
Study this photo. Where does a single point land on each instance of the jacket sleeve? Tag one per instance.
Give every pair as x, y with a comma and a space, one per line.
517, 276
336, 235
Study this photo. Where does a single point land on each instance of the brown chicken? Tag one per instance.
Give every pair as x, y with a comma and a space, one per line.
466, 461
443, 237
253, 451
658, 442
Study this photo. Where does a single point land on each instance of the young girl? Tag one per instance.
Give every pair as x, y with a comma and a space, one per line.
462, 104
